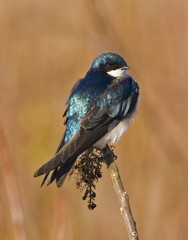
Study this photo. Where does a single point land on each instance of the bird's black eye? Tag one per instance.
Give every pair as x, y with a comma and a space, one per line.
111, 66
108, 66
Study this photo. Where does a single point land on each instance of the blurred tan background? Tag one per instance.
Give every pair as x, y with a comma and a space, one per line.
45, 46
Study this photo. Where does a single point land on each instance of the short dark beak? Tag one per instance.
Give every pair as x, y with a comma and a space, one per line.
126, 68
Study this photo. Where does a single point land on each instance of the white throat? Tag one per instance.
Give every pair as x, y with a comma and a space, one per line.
117, 73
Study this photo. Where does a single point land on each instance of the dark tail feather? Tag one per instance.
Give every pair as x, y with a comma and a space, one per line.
59, 174
44, 179
62, 172
53, 176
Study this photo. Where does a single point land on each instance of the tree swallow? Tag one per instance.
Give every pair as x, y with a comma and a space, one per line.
100, 108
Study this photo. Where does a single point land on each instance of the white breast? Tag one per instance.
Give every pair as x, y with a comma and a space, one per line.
114, 135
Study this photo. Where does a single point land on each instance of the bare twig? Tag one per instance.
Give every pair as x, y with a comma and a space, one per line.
12, 190
121, 194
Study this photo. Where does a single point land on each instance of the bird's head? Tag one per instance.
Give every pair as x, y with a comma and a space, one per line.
110, 63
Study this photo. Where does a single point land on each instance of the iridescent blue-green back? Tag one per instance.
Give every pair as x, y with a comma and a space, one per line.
83, 97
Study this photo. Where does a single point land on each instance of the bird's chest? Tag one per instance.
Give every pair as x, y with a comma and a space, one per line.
114, 135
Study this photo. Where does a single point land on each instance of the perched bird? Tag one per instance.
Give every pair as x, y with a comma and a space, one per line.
100, 108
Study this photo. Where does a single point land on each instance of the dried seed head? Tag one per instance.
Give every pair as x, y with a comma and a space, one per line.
87, 172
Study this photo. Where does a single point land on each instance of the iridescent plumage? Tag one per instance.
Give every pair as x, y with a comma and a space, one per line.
100, 108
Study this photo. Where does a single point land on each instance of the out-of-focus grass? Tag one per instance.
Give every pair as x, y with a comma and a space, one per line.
45, 47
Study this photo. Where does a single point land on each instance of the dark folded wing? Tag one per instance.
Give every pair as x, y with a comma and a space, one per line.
93, 127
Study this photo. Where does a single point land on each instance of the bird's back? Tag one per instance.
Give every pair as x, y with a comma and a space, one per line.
82, 98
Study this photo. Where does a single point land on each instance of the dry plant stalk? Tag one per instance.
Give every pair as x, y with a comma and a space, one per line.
12, 190
121, 194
